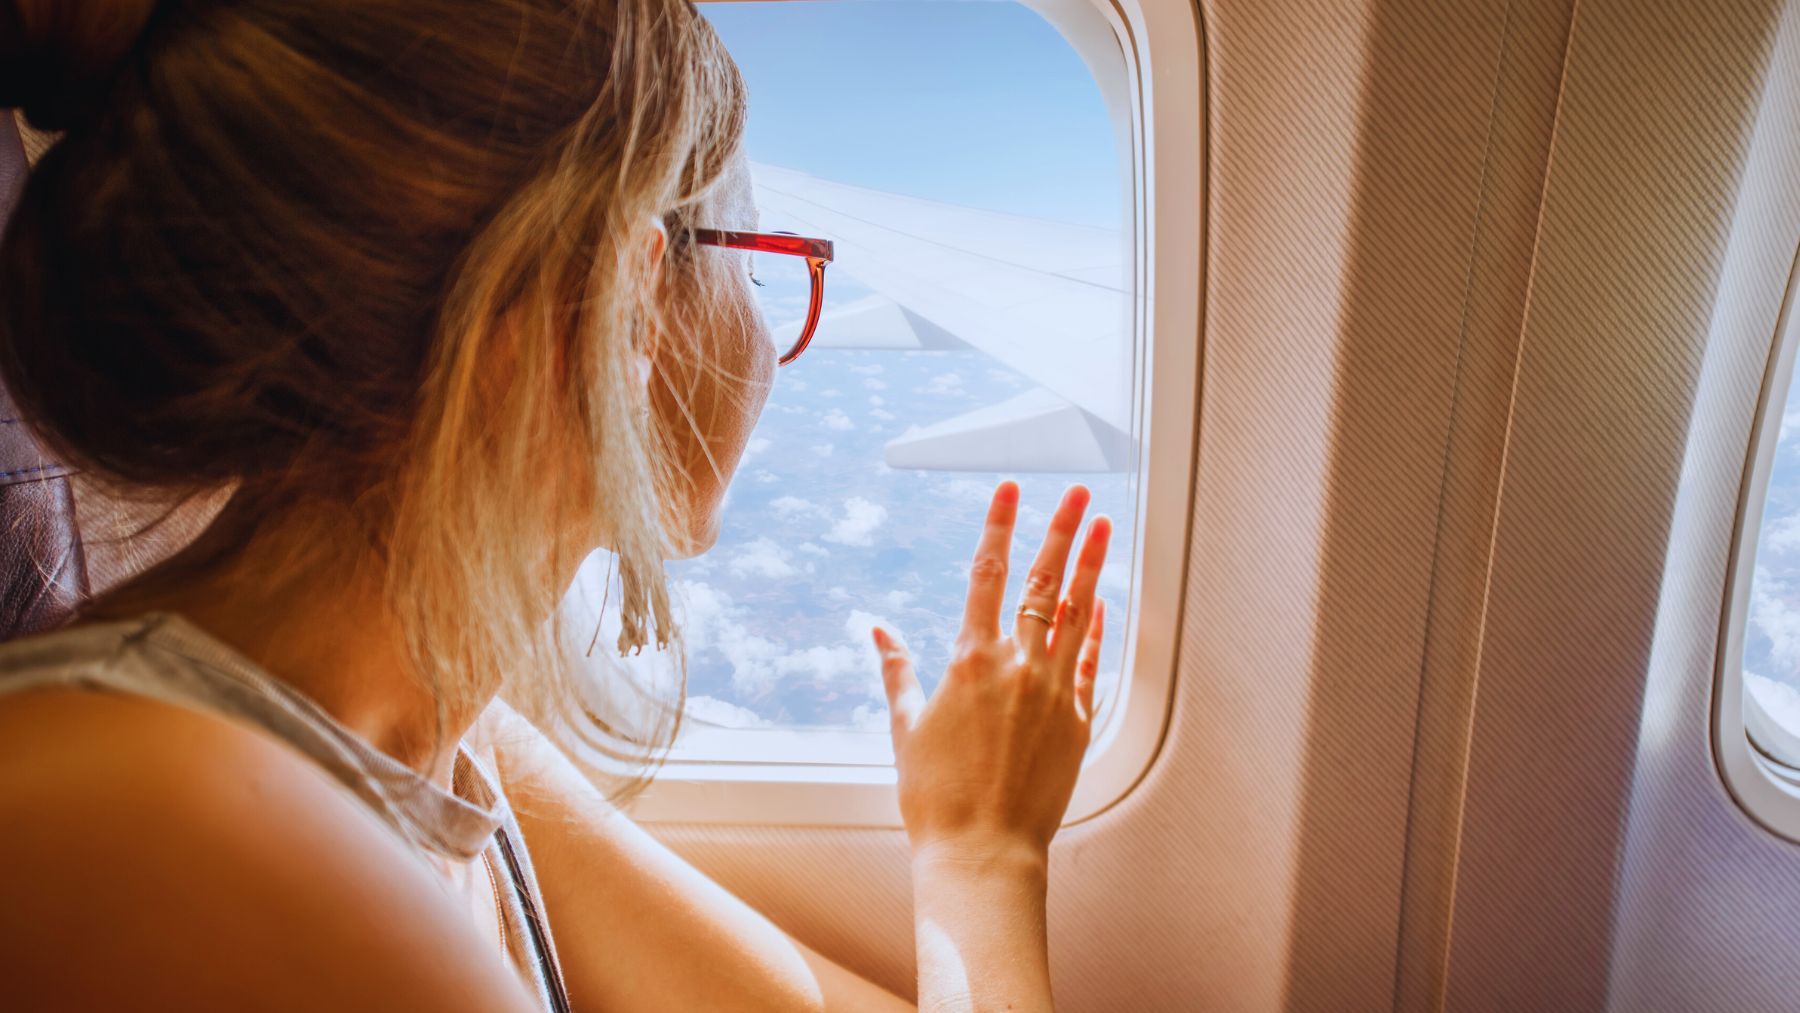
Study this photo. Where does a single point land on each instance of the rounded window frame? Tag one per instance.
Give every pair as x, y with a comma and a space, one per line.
799, 777
1747, 743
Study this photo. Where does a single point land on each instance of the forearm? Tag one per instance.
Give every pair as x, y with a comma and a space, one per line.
979, 924
636, 926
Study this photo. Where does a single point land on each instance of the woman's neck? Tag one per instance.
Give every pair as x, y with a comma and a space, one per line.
313, 613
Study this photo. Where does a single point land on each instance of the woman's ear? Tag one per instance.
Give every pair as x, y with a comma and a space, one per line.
655, 242
652, 244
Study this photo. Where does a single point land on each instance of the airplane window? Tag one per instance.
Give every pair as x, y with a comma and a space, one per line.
978, 325
1771, 637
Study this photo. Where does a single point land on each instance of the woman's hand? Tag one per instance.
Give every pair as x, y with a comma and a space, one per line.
987, 765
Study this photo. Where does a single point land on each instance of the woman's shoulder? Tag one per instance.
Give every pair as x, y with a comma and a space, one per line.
84, 717
56, 736
196, 859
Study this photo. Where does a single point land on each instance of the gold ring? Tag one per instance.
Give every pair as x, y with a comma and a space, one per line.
1028, 611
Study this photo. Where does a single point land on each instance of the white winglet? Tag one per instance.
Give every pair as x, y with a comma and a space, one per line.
1048, 299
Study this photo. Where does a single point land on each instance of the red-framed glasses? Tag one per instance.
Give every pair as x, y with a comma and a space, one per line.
790, 287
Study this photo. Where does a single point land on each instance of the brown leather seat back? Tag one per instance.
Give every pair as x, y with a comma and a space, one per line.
43, 575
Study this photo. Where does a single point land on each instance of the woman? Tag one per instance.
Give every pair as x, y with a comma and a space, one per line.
417, 286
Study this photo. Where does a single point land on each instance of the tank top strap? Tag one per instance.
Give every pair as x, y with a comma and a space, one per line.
164, 657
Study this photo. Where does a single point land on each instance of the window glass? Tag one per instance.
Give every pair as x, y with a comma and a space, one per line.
977, 326
1772, 630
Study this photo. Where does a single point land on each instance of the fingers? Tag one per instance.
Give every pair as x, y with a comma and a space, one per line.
1043, 584
987, 571
906, 698
1087, 670
1077, 612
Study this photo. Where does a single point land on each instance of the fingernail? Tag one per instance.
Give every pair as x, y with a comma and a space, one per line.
881, 638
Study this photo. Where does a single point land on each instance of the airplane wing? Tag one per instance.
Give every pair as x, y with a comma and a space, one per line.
1047, 299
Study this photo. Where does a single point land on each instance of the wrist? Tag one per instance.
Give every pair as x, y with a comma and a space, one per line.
985, 857
980, 924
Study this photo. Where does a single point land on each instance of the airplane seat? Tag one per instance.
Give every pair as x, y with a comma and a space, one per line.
43, 571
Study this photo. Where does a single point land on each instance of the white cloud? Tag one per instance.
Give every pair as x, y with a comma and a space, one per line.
1782, 534
837, 420
712, 623
757, 445
874, 384
810, 549
1115, 575
858, 624
823, 449
870, 718
752, 659
713, 710
968, 491
789, 507
831, 392
945, 383
762, 558
703, 607
1778, 700
882, 414
835, 665
1775, 619
869, 369
876, 400
1789, 423
764, 475
897, 599
861, 518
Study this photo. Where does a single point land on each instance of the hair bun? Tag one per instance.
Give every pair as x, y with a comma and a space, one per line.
59, 57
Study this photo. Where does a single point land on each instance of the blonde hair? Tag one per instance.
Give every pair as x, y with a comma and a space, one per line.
388, 256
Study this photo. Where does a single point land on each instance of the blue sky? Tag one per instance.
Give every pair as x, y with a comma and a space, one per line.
975, 103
